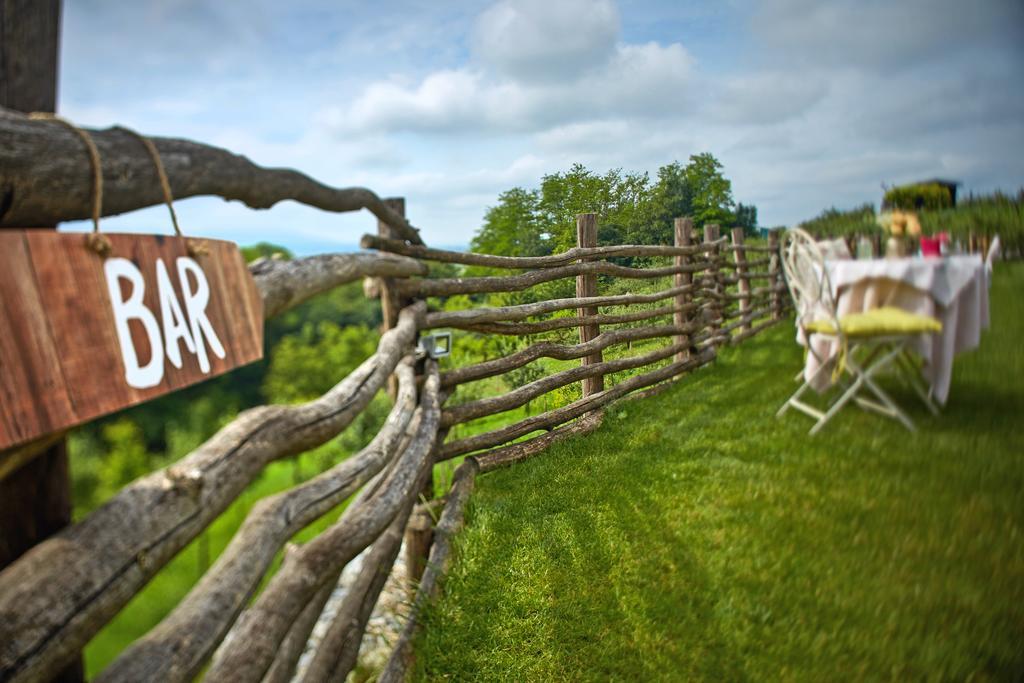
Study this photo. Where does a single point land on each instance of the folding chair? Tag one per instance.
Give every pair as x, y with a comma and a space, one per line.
868, 342
993, 253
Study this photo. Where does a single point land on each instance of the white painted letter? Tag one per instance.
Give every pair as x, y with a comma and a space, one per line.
174, 323
195, 307
152, 372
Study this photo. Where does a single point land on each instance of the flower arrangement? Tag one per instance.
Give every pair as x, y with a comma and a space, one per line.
900, 225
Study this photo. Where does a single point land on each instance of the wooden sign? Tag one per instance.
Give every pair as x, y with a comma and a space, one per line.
82, 336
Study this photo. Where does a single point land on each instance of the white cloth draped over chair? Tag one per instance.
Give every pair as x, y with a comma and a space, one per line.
882, 334
954, 290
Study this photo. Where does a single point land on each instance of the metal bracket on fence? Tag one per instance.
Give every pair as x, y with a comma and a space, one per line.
437, 345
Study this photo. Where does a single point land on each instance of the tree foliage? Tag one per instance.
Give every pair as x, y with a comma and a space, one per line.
631, 208
917, 197
833, 222
746, 218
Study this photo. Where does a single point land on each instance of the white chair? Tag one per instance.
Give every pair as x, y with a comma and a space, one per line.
868, 342
990, 257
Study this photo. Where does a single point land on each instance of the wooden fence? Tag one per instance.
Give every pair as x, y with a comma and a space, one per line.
717, 291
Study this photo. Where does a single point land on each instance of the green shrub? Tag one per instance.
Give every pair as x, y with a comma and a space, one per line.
835, 223
920, 196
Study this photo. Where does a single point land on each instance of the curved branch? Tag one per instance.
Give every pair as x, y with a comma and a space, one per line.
45, 177
515, 283
176, 649
285, 284
526, 393
249, 652
568, 412
520, 262
437, 566
338, 650
520, 329
506, 456
60, 593
522, 311
499, 366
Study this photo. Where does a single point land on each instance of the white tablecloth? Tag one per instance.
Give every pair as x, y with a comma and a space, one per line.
953, 289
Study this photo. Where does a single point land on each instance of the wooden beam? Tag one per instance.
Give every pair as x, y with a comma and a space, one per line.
46, 176
522, 262
35, 501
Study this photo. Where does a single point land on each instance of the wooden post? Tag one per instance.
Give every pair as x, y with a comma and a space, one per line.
775, 270
586, 285
740, 259
418, 532
876, 245
35, 499
712, 278
683, 238
29, 40
390, 304
419, 535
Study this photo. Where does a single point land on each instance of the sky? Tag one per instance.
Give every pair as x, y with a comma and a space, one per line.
448, 103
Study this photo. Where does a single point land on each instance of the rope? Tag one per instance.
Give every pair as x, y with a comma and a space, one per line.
194, 247
161, 174
95, 241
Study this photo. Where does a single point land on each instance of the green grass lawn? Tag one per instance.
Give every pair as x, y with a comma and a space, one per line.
694, 536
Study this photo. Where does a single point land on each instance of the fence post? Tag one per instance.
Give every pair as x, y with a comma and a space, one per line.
775, 271
389, 302
586, 285
683, 238
419, 536
713, 277
36, 498
419, 531
740, 258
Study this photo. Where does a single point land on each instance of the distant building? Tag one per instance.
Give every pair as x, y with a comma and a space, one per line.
950, 185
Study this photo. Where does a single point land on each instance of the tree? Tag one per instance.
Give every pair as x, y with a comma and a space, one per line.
710, 191
630, 209
615, 197
265, 250
746, 218
305, 365
512, 227
669, 198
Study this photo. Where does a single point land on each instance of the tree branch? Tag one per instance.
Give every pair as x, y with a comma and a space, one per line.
177, 648
249, 652
45, 177
60, 593
286, 284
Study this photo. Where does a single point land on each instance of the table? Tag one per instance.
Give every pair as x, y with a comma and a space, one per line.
953, 289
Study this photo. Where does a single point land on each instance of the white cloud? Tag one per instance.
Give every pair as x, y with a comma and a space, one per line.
648, 80
530, 40
807, 104
766, 97
881, 34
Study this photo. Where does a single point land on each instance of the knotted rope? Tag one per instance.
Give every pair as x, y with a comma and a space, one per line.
96, 240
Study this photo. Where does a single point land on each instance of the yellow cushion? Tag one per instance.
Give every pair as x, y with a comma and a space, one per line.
878, 322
